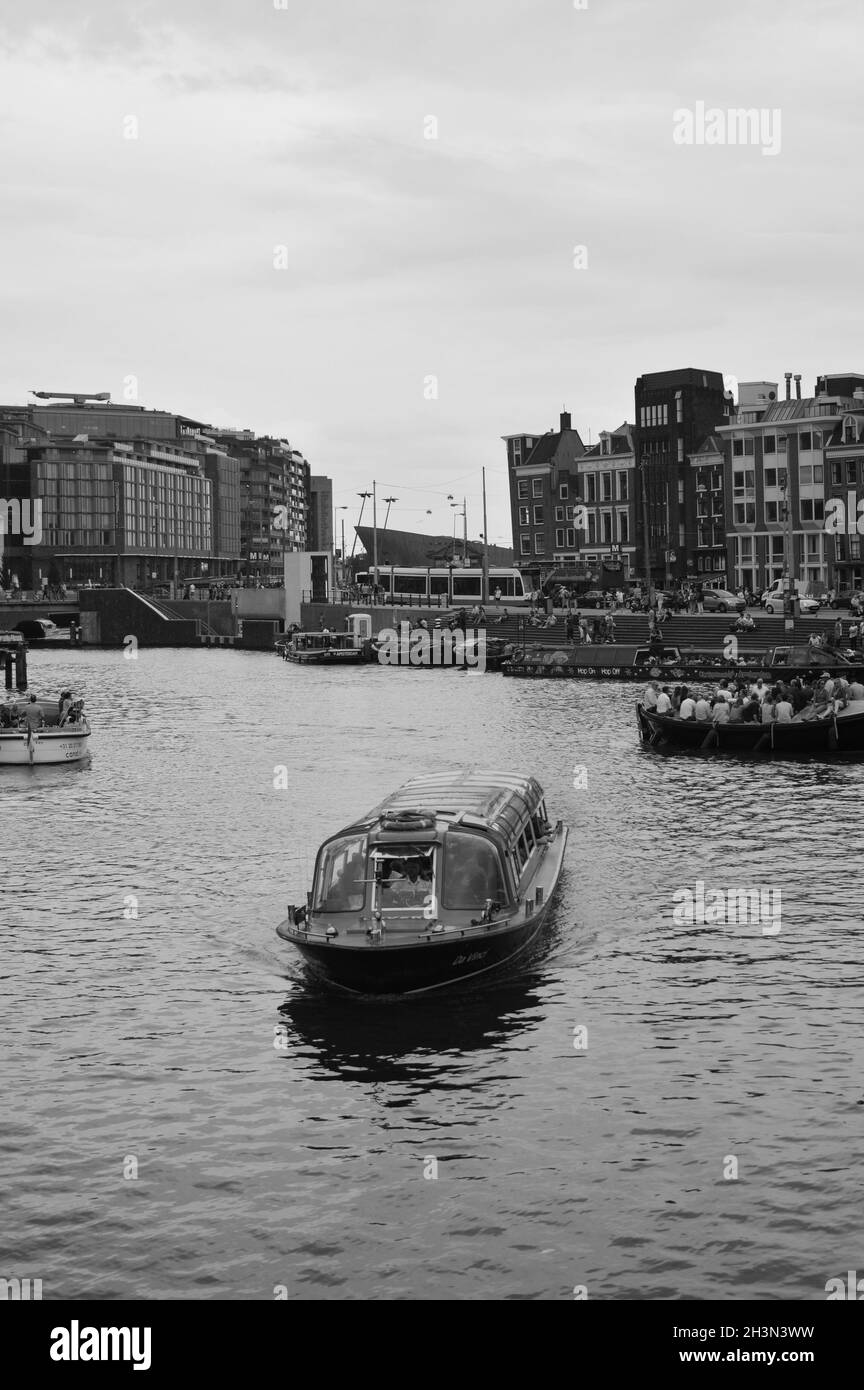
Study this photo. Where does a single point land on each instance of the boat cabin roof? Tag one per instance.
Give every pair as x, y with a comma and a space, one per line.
500, 802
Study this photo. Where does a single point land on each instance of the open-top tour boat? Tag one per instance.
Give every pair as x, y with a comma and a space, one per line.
448, 878
35, 732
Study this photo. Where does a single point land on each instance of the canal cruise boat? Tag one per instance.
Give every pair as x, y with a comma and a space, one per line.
448, 878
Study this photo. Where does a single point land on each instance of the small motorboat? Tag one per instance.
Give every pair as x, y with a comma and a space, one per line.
448, 878
323, 648
31, 732
812, 732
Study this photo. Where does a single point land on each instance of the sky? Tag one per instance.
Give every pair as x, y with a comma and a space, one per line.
393, 231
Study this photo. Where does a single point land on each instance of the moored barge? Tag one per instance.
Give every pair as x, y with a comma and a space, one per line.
448, 878
628, 662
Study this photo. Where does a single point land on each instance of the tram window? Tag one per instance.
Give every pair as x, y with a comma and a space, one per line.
339, 882
410, 584
466, 586
472, 872
439, 584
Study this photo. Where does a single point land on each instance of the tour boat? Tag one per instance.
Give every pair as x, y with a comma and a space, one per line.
611, 661
827, 732
323, 648
448, 878
23, 746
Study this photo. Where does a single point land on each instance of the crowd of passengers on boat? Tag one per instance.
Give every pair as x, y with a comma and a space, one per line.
739, 701
29, 714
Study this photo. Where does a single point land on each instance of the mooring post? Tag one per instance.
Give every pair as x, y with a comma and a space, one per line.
21, 669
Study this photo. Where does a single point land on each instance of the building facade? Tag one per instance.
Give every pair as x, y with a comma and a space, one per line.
544, 490
781, 459
140, 497
607, 476
676, 413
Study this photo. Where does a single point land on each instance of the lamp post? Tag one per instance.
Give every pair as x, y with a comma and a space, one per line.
389, 501
364, 496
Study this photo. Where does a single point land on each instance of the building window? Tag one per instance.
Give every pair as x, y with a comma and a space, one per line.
563, 492
522, 487
606, 523
537, 487
591, 487
769, 444
810, 473
559, 538
679, 407
781, 443
680, 492
592, 528
538, 516
559, 513
606, 487
623, 527
805, 441
623, 486
851, 470
837, 473
771, 511
571, 538
525, 545
738, 447
812, 509
770, 477
539, 545
524, 518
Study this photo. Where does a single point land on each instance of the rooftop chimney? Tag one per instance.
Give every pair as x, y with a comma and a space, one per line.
788, 376
565, 421
797, 386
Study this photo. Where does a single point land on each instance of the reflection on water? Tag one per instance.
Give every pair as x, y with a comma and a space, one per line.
580, 1109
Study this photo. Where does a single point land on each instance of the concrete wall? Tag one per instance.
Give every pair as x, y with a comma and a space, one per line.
121, 614
259, 603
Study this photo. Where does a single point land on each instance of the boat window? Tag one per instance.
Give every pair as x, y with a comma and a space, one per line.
472, 872
339, 882
404, 876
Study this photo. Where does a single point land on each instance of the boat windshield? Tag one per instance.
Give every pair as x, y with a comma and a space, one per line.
340, 881
404, 876
472, 871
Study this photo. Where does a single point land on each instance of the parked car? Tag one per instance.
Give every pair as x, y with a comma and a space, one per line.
592, 598
806, 606
41, 630
673, 599
722, 601
844, 598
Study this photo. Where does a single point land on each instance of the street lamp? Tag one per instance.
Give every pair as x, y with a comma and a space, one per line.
389, 501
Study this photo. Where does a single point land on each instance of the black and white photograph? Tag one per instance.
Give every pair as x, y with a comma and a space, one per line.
432, 654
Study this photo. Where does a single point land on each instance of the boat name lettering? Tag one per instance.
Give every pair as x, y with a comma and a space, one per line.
472, 955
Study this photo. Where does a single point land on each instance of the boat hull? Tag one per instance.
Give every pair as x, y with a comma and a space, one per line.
46, 747
433, 963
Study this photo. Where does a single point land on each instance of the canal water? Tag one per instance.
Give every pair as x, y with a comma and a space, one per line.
647, 1109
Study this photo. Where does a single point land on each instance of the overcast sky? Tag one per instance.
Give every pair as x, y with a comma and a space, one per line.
408, 257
